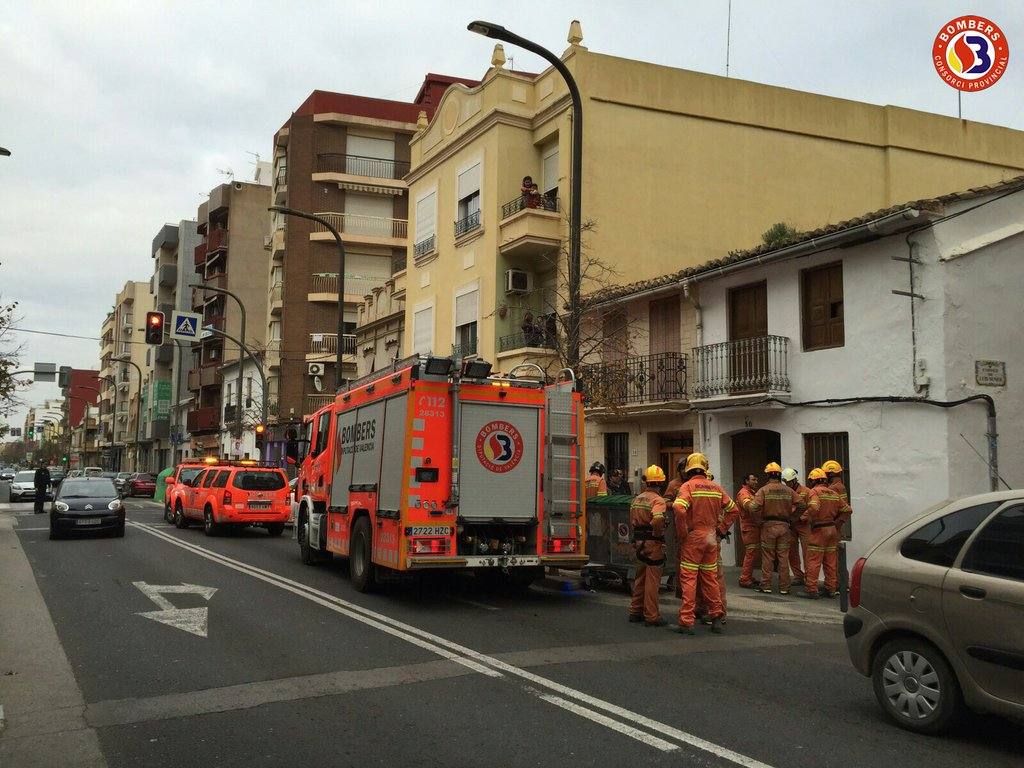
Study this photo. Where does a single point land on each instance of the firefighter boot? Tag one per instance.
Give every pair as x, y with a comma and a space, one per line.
716, 626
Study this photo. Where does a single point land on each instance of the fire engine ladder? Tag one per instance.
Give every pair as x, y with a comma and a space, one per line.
562, 461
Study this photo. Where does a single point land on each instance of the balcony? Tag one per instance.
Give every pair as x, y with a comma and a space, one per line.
276, 298
217, 279
398, 262
281, 185
168, 275
321, 344
369, 174
424, 246
323, 286
204, 376
539, 338
360, 228
200, 257
316, 402
217, 239
204, 420
637, 380
529, 229
744, 369
462, 351
167, 237
468, 224
277, 243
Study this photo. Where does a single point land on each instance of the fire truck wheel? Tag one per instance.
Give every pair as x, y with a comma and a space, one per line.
210, 528
361, 556
275, 529
306, 552
180, 521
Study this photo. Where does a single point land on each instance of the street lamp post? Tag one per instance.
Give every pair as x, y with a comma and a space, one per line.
138, 404
341, 277
241, 307
498, 32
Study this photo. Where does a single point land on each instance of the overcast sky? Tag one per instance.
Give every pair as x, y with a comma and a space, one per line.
119, 115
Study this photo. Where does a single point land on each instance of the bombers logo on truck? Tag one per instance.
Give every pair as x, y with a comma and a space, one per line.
499, 446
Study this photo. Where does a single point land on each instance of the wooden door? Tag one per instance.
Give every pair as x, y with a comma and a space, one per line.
662, 365
748, 329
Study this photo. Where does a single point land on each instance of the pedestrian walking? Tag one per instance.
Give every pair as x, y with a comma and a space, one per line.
647, 522
824, 517
750, 531
775, 502
800, 530
698, 508
41, 480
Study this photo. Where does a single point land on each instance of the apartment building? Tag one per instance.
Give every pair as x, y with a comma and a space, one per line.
81, 410
380, 326
105, 432
167, 396
233, 225
343, 157
678, 167
129, 360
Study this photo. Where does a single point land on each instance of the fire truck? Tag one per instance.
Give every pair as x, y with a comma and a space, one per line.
427, 466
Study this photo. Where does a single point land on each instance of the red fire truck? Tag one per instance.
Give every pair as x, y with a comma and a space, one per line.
425, 466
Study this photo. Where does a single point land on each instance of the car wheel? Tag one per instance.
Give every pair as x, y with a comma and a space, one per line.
210, 528
275, 529
168, 515
361, 556
180, 521
915, 686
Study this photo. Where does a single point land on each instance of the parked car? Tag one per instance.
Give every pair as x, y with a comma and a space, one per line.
183, 476
23, 487
7, 473
86, 504
75, 473
56, 475
120, 479
93, 471
140, 484
936, 613
234, 494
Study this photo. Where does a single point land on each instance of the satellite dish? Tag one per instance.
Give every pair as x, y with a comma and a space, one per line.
318, 384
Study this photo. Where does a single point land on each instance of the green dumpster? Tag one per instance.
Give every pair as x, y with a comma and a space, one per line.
610, 545
161, 487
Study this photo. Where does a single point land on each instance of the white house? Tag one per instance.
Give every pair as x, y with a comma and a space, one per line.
243, 447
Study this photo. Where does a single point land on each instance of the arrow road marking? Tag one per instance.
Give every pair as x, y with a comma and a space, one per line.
194, 620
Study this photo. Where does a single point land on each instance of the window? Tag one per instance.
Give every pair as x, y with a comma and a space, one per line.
939, 541
187, 475
465, 322
370, 156
819, 447
423, 331
275, 330
321, 431
196, 481
254, 480
549, 172
821, 306
222, 478
616, 452
208, 479
468, 185
999, 548
426, 215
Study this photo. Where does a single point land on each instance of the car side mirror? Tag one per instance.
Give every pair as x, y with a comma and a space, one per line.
169, 480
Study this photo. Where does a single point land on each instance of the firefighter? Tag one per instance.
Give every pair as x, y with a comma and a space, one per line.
834, 472
824, 517
699, 507
799, 530
647, 521
775, 502
596, 485
750, 531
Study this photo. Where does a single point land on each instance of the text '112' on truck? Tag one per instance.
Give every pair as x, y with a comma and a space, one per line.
425, 466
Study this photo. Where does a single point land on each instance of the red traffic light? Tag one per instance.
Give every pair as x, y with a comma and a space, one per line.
156, 318
260, 429
155, 328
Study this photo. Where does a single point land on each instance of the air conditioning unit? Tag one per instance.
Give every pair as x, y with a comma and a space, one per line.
518, 281
315, 369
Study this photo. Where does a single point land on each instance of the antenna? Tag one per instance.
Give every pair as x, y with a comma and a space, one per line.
226, 172
255, 156
728, 35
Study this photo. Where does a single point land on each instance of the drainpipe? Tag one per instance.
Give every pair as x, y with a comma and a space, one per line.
699, 321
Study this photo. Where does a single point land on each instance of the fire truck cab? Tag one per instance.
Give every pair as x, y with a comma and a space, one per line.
425, 466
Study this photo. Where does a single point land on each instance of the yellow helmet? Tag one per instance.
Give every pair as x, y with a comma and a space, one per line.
832, 467
654, 474
696, 461
710, 476
817, 474
773, 467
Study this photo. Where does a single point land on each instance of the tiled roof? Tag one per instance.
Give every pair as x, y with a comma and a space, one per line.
933, 204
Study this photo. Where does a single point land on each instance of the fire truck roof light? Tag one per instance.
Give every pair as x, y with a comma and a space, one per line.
210, 460
476, 369
439, 366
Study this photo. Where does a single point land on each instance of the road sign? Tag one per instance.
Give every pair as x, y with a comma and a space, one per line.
44, 372
185, 325
194, 620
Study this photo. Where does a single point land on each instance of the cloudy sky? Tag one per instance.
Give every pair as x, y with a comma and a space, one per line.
119, 115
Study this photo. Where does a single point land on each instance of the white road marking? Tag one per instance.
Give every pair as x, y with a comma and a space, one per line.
194, 620
607, 722
19, 528
488, 665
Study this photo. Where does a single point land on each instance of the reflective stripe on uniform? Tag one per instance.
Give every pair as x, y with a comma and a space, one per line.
681, 502
709, 566
689, 566
707, 494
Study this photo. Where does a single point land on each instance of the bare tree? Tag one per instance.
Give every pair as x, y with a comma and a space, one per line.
9, 356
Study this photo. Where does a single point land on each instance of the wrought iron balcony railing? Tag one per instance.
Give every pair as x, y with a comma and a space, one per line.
357, 165
362, 224
468, 224
636, 380
539, 338
740, 367
425, 246
529, 202
460, 351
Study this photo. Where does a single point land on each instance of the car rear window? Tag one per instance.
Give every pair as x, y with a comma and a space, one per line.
940, 541
255, 480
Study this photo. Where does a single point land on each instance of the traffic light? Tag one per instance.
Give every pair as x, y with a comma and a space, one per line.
64, 376
261, 433
155, 328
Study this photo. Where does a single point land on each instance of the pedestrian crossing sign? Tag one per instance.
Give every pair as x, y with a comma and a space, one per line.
185, 325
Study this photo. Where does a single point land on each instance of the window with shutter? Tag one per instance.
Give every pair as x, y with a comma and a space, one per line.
426, 214
549, 174
821, 307
423, 331
468, 194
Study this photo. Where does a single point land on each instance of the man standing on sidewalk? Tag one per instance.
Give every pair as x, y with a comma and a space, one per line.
750, 532
800, 529
42, 484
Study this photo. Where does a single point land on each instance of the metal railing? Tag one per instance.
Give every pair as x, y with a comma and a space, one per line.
216, 239
282, 175
327, 343
468, 224
636, 380
358, 165
460, 351
361, 224
539, 338
742, 366
529, 202
398, 262
423, 247
327, 282
316, 402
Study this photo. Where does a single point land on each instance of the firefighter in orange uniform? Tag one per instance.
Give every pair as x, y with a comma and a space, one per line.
647, 521
825, 517
595, 485
699, 508
775, 502
701, 611
799, 530
750, 531
834, 472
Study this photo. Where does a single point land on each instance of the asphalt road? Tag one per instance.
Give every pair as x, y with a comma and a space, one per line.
290, 666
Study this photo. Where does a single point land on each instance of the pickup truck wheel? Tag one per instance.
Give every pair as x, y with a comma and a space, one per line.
306, 552
180, 521
210, 528
275, 529
361, 556
168, 515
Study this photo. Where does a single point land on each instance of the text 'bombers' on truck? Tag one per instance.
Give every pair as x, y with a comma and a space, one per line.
424, 467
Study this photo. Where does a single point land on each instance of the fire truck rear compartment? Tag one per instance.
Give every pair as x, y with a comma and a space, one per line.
496, 539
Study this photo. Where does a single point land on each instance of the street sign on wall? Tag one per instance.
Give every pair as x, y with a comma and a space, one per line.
990, 373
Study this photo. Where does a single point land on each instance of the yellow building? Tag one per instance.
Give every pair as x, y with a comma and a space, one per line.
678, 167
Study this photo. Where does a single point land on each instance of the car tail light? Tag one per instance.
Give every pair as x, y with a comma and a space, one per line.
227, 497
561, 545
433, 546
855, 577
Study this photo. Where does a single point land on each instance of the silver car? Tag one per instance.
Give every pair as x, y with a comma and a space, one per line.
24, 486
937, 613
